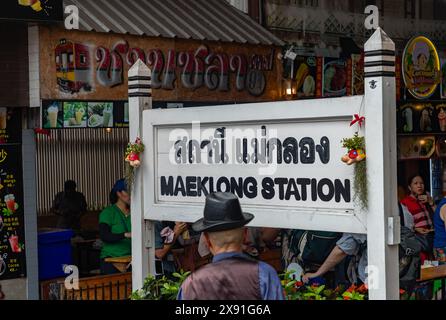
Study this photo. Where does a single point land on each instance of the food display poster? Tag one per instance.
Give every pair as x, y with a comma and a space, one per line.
306, 76
84, 114
10, 125
12, 228
335, 77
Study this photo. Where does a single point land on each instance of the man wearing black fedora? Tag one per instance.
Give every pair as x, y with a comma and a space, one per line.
232, 275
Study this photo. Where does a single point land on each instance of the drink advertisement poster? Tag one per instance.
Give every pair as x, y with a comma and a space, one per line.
335, 77
85, 114
12, 229
10, 125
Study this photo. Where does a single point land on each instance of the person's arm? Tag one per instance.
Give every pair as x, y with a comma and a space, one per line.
179, 228
443, 214
336, 256
270, 285
107, 235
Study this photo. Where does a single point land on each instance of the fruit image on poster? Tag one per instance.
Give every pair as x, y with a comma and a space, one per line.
416, 147
421, 67
306, 76
335, 77
12, 228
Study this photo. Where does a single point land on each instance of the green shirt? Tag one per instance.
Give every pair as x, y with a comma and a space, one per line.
119, 223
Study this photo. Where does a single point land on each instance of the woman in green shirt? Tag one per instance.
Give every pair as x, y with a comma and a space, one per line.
115, 227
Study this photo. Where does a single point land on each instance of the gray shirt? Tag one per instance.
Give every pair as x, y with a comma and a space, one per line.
351, 244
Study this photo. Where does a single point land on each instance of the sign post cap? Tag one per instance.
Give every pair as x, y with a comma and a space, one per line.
139, 68
379, 41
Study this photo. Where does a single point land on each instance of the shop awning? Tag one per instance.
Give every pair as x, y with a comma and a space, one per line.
212, 20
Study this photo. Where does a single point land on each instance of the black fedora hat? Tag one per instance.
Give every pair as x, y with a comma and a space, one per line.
222, 212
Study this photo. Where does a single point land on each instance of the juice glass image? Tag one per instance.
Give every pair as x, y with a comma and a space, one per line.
106, 118
14, 242
52, 116
10, 202
3, 118
79, 115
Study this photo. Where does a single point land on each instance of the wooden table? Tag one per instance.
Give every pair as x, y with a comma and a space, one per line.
435, 273
120, 263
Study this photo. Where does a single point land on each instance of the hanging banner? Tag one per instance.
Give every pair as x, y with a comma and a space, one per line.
10, 125
12, 228
421, 67
84, 114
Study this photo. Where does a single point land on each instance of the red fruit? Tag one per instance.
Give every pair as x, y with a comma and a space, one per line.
353, 154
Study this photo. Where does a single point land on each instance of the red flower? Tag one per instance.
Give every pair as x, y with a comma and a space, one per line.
346, 298
299, 284
402, 291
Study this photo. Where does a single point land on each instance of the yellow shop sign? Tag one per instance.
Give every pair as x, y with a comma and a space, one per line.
421, 67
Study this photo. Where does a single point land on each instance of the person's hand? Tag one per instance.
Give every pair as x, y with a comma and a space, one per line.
422, 230
128, 235
179, 228
307, 276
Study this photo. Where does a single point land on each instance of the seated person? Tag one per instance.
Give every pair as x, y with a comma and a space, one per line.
166, 236
115, 227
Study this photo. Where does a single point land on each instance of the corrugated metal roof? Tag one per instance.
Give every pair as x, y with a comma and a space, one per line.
214, 20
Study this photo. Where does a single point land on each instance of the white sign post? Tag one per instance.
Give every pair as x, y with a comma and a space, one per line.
383, 227
283, 160
143, 255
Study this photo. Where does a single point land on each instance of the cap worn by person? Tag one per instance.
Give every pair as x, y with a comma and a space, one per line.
120, 186
222, 211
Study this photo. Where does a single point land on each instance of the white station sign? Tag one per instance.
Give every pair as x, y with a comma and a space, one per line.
281, 159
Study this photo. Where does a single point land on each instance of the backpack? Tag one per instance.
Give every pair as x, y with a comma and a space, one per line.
309, 248
409, 256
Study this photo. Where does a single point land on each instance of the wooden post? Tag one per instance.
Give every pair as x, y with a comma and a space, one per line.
143, 255
383, 229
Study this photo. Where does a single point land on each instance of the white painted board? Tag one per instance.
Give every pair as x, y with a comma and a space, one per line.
313, 190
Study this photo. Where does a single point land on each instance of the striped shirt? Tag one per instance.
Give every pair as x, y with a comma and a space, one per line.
419, 211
